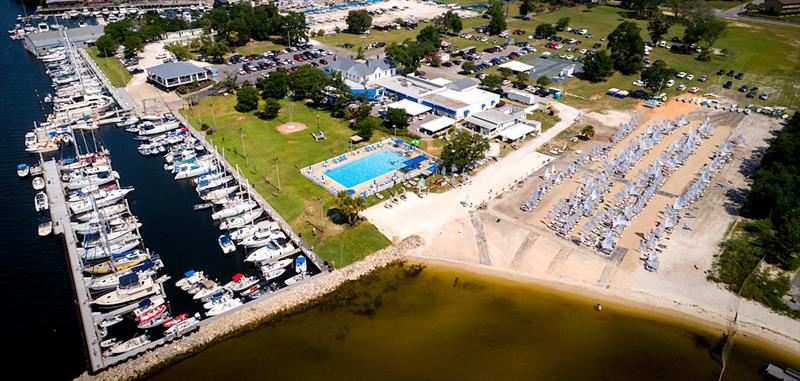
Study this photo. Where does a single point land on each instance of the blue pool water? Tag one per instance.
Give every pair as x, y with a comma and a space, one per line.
367, 168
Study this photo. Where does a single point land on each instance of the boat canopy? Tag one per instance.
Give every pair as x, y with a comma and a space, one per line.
225, 238
128, 280
22, 166
189, 273
144, 266
237, 277
300, 259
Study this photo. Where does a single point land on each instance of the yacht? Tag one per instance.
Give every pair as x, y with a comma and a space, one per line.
271, 252
131, 288
131, 259
105, 212
242, 219
100, 178
110, 198
211, 184
110, 281
262, 238
116, 249
219, 193
193, 171
240, 282
42, 147
150, 128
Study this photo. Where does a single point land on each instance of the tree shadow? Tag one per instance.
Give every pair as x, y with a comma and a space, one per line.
337, 217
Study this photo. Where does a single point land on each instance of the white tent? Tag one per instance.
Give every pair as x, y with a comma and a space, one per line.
517, 66
436, 125
412, 108
516, 131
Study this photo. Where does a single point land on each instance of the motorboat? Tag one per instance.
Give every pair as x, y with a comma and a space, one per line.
131, 287
30, 139
40, 202
295, 279
242, 219
262, 238
211, 184
146, 304
218, 193
175, 320
205, 205
190, 278
109, 322
276, 265
252, 289
127, 346
207, 287
38, 183
240, 282
127, 121
300, 264
271, 252
110, 198
224, 307
154, 322
119, 263
42, 147
36, 170
183, 326
109, 343
149, 128
23, 170
272, 274
234, 209
45, 228
192, 171
218, 297
226, 244
261, 291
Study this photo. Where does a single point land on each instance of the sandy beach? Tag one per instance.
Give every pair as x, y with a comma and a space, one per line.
503, 240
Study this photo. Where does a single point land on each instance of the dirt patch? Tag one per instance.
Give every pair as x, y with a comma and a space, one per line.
290, 128
670, 110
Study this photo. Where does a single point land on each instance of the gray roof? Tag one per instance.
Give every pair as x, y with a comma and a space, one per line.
53, 38
462, 84
359, 68
175, 69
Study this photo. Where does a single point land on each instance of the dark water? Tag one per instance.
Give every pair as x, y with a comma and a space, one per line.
444, 324
38, 309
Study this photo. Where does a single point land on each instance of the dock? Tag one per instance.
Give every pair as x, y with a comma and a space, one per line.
142, 5
124, 101
59, 215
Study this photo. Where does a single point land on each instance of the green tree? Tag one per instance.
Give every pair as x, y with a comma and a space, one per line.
358, 21
525, 7
271, 109
627, 48
545, 30
350, 206
365, 127
468, 66
429, 35
213, 48
522, 77
396, 118
562, 23
588, 131
492, 82
658, 26
308, 82
704, 29
276, 86
505, 72
463, 149
409, 53
294, 27
598, 67
180, 51
448, 21
229, 83
497, 22
106, 46
656, 75
133, 44
543, 81
246, 99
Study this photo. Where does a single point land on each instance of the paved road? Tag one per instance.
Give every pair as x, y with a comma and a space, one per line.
733, 14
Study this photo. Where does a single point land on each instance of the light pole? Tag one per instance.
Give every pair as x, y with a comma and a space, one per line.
277, 173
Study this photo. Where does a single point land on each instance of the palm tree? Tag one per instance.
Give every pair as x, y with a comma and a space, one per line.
350, 206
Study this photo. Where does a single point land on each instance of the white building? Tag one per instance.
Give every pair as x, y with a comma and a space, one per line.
507, 123
455, 99
359, 75
174, 74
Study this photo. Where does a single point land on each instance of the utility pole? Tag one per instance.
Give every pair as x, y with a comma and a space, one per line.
244, 149
277, 173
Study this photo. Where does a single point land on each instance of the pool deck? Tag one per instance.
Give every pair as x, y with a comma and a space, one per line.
316, 172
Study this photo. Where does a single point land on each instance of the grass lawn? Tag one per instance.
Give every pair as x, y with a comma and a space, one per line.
769, 56
725, 4
111, 67
301, 202
258, 47
547, 120
357, 40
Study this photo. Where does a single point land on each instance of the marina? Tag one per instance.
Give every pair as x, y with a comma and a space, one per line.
113, 275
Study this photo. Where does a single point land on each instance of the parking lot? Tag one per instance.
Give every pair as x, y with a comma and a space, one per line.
254, 66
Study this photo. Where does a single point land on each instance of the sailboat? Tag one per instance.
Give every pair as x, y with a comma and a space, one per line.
131, 287
242, 219
235, 209
118, 263
109, 198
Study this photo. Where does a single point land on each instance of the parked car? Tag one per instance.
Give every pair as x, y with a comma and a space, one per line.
689, 77
739, 76
731, 72
743, 88
670, 83
728, 84
764, 96
694, 90
721, 72
703, 78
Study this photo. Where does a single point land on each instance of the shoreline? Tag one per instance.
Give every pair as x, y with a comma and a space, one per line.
631, 302
252, 314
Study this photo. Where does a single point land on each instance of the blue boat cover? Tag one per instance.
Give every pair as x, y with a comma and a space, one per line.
300, 259
225, 238
128, 280
22, 166
188, 273
145, 303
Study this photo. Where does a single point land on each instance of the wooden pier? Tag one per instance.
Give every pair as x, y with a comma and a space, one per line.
120, 96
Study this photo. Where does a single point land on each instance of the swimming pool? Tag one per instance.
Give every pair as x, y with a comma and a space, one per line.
366, 168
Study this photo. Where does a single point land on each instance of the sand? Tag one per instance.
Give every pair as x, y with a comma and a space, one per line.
290, 128
329, 21
503, 240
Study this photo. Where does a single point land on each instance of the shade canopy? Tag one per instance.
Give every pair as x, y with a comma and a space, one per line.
411, 108
517, 66
437, 125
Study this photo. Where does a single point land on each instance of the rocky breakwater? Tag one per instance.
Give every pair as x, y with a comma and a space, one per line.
253, 314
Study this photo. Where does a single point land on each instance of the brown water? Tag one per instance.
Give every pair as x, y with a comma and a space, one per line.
444, 324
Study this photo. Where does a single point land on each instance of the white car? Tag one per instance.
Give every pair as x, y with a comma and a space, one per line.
569, 57
481, 76
562, 56
639, 83
530, 37
689, 77
681, 87
242, 72
583, 51
681, 74
506, 82
670, 83
694, 90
